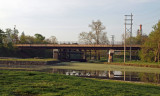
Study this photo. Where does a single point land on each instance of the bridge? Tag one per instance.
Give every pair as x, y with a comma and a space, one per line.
68, 51
76, 46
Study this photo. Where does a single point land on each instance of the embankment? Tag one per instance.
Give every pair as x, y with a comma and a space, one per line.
29, 62
136, 65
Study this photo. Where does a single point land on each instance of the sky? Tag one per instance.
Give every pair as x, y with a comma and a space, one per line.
66, 19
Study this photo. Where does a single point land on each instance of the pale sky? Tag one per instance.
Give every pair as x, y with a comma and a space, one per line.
65, 19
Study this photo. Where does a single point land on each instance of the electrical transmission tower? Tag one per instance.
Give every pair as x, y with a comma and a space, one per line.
128, 29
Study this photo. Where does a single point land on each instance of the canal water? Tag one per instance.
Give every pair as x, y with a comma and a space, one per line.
107, 74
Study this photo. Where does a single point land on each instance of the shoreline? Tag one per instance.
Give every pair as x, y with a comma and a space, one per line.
28, 62
136, 65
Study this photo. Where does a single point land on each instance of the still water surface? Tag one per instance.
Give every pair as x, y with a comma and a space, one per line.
112, 75
107, 74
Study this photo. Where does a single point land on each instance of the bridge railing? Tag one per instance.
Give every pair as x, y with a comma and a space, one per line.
82, 43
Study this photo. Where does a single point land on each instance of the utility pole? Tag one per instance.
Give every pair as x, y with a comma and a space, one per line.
158, 51
125, 42
112, 39
128, 21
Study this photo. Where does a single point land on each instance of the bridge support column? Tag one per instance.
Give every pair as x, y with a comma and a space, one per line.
95, 55
60, 54
99, 55
110, 57
84, 54
90, 56
55, 53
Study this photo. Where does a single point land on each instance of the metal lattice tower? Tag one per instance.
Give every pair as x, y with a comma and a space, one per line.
128, 29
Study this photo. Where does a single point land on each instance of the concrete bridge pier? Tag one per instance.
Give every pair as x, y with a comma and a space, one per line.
110, 57
55, 54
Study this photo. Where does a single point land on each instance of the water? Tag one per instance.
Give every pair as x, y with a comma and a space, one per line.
112, 75
107, 74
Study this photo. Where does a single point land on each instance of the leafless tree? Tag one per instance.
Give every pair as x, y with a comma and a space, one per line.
96, 36
52, 40
86, 38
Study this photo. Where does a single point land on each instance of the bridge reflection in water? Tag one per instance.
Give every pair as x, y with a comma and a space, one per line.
107, 74
112, 75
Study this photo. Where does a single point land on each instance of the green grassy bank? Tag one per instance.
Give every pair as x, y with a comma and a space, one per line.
23, 83
98, 66
29, 59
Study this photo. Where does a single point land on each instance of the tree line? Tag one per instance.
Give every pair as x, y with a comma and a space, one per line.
10, 37
149, 51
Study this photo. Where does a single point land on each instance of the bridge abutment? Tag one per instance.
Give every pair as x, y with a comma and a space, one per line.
110, 57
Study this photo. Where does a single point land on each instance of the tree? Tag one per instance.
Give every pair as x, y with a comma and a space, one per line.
2, 36
86, 38
96, 36
52, 40
149, 51
22, 38
39, 38
138, 40
15, 36
8, 38
11, 36
30, 39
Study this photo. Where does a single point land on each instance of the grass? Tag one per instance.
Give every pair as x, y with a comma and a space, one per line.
141, 62
29, 59
121, 60
85, 66
96, 66
23, 83
138, 62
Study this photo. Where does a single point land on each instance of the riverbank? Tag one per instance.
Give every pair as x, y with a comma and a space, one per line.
23, 83
104, 67
136, 64
12, 61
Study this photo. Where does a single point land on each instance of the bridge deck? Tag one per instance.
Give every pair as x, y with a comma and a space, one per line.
76, 46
